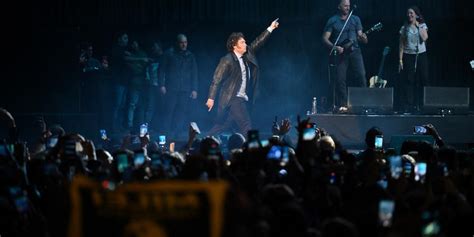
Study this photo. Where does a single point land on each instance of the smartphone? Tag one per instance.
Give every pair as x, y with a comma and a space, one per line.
386, 208
420, 171
420, 130
103, 134
20, 199
378, 142
274, 153
253, 139
395, 166
265, 142
143, 129
195, 127
122, 162
161, 140
407, 169
51, 141
138, 158
309, 133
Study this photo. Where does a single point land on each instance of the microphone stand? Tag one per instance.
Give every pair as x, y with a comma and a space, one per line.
333, 53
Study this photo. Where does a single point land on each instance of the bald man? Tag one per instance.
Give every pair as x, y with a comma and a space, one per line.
178, 84
346, 57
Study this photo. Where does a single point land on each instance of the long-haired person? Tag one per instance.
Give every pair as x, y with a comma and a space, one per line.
413, 63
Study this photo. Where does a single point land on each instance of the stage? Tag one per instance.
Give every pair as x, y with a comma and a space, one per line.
350, 129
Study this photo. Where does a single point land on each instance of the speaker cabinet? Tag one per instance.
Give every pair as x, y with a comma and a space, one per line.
446, 100
370, 100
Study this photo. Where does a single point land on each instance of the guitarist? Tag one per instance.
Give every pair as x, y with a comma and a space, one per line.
348, 53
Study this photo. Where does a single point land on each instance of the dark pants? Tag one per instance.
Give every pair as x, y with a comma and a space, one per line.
355, 62
235, 113
150, 98
177, 113
120, 95
133, 99
412, 81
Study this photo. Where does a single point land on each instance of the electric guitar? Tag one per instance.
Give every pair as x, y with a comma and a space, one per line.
347, 44
377, 81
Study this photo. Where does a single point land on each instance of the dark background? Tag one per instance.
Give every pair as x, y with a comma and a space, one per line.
43, 78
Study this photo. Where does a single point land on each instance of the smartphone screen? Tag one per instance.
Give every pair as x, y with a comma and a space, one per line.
103, 134
420, 130
143, 129
407, 169
253, 139
51, 142
395, 166
378, 142
274, 153
195, 127
138, 159
162, 140
386, 208
309, 134
122, 162
420, 171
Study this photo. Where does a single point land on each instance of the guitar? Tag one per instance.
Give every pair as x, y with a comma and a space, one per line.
377, 81
347, 43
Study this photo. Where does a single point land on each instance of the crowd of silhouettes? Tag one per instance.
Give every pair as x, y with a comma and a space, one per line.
314, 187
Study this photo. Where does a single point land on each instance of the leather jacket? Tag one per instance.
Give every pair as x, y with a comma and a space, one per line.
228, 74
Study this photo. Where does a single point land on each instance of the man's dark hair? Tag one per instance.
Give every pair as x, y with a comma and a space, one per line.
233, 39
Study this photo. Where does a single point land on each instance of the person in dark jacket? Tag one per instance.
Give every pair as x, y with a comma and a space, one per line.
178, 82
237, 77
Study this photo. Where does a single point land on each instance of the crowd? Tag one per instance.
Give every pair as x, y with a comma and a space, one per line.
314, 187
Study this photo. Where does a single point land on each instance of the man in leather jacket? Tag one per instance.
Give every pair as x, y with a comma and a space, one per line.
237, 77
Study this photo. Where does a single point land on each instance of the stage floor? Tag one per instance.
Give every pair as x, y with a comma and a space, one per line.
350, 129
